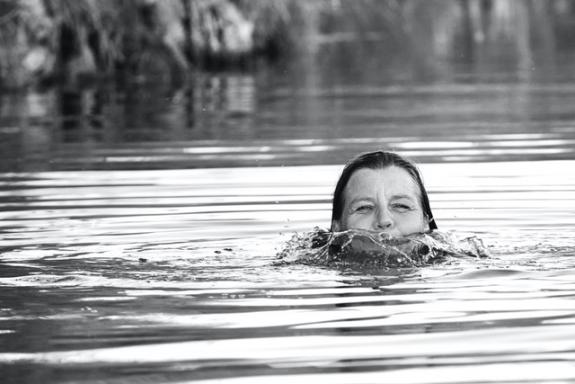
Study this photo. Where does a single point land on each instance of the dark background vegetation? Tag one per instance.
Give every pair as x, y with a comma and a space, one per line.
71, 41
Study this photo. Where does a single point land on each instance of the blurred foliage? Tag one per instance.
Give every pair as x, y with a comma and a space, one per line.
70, 40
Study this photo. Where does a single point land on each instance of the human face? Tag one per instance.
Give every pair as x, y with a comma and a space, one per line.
383, 200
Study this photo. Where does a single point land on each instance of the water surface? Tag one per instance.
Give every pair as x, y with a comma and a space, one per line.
139, 237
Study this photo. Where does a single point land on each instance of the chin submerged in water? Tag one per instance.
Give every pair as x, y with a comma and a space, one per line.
381, 216
360, 248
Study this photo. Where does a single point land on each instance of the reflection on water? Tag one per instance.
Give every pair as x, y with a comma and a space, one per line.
307, 115
139, 228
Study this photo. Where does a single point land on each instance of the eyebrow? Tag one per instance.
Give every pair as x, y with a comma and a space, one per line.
362, 198
394, 197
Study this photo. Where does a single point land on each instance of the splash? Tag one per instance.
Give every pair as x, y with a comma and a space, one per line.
356, 248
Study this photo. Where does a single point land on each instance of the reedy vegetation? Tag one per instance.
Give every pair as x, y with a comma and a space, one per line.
68, 39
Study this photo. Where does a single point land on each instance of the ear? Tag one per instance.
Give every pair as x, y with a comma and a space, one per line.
335, 226
426, 226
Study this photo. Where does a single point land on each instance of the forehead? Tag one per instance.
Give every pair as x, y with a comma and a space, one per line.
391, 181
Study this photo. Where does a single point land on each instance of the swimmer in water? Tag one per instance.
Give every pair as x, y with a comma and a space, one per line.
381, 217
381, 192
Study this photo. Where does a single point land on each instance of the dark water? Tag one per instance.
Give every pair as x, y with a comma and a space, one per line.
139, 230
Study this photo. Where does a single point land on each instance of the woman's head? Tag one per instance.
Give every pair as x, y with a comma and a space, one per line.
381, 191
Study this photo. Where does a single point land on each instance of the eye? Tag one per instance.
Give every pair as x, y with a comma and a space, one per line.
364, 208
401, 207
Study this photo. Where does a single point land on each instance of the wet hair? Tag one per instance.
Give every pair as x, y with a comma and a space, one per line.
378, 160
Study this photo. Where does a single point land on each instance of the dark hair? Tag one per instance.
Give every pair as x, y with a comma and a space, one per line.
378, 160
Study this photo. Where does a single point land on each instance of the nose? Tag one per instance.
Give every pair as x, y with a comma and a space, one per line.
383, 221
